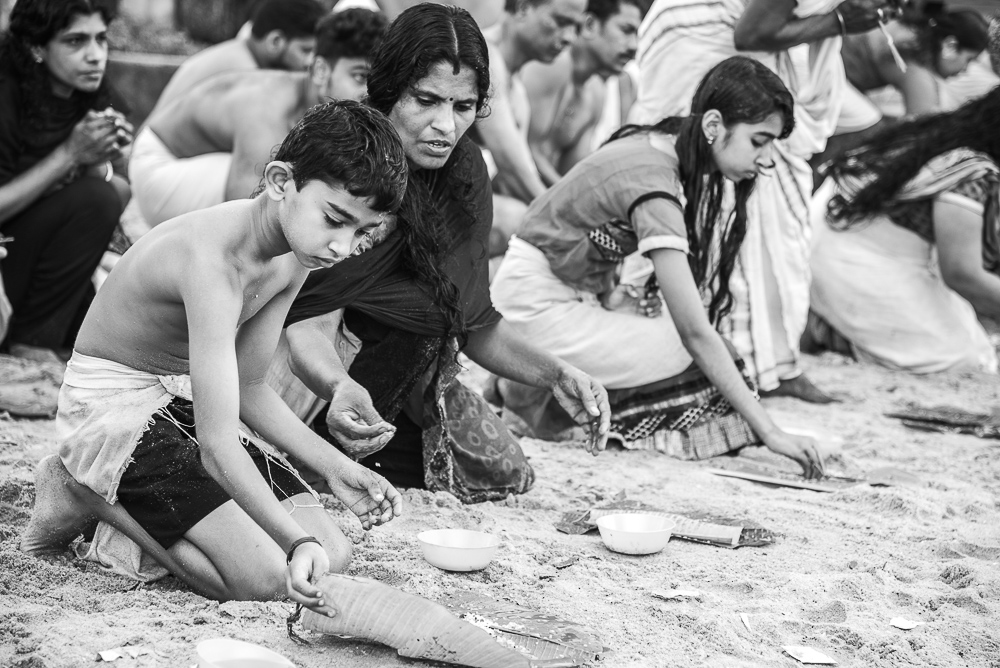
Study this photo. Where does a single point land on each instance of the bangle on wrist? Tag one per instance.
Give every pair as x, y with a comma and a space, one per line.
109, 171
843, 23
300, 541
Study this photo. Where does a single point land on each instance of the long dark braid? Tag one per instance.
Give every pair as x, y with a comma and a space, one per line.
895, 155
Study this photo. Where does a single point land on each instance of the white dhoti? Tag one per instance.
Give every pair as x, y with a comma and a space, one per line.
879, 285
621, 350
166, 186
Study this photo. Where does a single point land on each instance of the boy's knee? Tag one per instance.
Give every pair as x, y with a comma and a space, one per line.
267, 584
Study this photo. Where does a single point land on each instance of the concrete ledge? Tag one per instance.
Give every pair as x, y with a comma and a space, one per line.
140, 78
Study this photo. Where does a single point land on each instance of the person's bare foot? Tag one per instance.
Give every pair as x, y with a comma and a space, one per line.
801, 388
59, 515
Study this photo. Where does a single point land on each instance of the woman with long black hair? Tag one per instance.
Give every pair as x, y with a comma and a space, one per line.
60, 197
388, 363
906, 251
659, 190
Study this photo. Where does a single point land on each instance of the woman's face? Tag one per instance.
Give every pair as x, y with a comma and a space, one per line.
742, 150
76, 56
434, 113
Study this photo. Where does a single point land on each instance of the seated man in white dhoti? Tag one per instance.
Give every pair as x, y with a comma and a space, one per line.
678, 42
210, 145
672, 381
905, 254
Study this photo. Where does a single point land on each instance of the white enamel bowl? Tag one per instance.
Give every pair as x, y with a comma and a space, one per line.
458, 549
635, 533
228, 653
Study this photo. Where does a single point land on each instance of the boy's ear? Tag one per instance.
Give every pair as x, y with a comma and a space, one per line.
277, 179
319, 71
949, 47
589, 26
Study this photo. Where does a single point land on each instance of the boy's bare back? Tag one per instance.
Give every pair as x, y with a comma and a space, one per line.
139, 317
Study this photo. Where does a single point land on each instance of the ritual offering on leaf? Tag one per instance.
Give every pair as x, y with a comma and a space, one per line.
471, 631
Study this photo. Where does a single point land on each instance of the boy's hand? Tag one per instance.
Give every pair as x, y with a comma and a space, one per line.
800, 448
353, 421
309, 562
366, 493
586, 401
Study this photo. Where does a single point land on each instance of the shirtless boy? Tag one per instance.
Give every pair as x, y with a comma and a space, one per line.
283, 38
194, 309
210, 145
568, 96
530, 30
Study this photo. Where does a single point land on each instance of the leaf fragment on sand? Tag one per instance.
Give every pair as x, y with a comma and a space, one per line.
808, 655
416, 627
111, 654
674, 594
565, 563
745, 618
904, 623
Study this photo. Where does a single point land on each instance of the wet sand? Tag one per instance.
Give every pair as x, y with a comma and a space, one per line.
843, 566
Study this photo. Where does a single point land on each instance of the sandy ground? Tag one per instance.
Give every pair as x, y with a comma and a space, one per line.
844, 565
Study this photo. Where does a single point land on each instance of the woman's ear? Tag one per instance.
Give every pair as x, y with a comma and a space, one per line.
949, 47
711, 125
278, 179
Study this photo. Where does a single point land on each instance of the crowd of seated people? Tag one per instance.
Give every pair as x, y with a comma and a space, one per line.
345, 206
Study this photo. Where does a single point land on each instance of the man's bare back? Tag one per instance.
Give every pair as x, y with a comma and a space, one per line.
231, 56
154, 336
215, 113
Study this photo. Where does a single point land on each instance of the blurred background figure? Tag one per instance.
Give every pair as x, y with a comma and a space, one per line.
282, 37
568, 96
61, 195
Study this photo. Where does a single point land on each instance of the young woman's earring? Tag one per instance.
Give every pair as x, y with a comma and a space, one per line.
710, 139
38, 59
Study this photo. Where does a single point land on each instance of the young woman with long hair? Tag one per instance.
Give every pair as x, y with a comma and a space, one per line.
60, 195
412, 300
906, 249
659, 190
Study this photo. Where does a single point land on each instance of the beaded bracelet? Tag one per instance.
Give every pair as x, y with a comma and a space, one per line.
300, 541
843, 23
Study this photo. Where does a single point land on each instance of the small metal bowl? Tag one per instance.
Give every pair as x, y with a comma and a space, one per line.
229, 653
458, 549
635, 533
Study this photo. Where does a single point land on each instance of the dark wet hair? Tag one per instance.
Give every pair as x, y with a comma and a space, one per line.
896, 154
602, 10
935, 24
36, 23
352, 33
294, 18
418, 39
743, 90
348, 143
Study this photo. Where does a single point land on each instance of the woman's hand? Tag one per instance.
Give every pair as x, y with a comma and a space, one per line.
864, 15
586, 401
802, 449
309, 562
353, 421
629, 298
93, 140
366, 493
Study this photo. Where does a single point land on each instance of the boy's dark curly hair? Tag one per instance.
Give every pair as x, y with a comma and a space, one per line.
348, 143
352, 33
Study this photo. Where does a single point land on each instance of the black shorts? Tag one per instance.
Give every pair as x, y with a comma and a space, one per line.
167, 490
